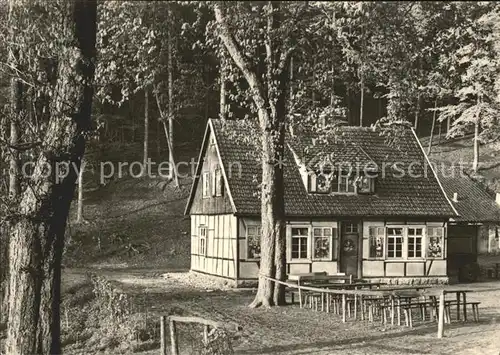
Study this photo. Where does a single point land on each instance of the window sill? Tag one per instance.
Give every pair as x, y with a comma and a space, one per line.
299, 261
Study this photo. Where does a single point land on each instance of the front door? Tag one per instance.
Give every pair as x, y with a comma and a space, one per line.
349, 247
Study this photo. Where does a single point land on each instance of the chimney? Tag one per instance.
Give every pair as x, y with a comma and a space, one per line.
498, 198
455, 197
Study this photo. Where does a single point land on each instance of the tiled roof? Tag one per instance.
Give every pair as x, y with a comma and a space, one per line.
474, 202
407, 196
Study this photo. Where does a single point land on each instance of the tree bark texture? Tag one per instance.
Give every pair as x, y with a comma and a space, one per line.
37, 234
146, 130
222, 109
270, 103
14, 117
79, 210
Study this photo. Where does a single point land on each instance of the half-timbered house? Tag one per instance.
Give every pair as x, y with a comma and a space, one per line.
366, 203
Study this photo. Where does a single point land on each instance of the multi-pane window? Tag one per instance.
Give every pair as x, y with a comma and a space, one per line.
206, 184
202, 243
365, 185
350, 227
394, 243
346, 184
327, 182
299, 243
435, 238
253, 242
323, 240
376, 242
415, 237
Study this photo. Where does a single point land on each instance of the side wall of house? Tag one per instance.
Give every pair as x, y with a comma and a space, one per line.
213, 225
220, 255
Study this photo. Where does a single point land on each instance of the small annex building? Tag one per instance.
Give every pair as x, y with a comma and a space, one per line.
386, 221
476, 230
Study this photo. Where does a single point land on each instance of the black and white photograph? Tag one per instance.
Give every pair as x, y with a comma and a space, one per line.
249, 177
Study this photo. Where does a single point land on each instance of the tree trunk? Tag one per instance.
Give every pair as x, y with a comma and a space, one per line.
16, 106
79, 210
291, 80
475, 163
439, 132
362, 99
222, 108
146, 130
270, 106
173, 172
313, 94
429, 148
170, 70
349, 113
37, 234
417, 110
332, 94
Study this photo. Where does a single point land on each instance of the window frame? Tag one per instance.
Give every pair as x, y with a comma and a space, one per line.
422, 242
371, 185
202, 237
442, 244
332, 239
403, 244
218, 182
377, 235
335, 181
308, 258
247, 226
351, 223
205, 184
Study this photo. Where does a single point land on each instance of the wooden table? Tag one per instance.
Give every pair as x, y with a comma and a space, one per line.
459, 294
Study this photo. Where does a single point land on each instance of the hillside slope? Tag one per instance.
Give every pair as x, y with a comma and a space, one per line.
134, 223
455, 151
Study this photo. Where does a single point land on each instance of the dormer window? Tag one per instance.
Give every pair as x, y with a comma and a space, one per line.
365, 185
322, 184
347, 184
325, 183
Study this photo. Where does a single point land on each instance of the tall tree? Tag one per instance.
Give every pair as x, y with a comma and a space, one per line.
269, 96
475, 106
37, 231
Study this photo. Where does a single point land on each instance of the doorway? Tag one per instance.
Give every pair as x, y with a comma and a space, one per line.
349, 247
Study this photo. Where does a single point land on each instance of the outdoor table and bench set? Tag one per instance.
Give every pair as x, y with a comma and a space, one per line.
341, 294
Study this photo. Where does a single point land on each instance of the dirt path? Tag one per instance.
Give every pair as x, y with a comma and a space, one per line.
291, 330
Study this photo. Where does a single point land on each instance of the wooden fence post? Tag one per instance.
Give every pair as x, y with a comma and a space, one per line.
163, 335
343, 307
441, 316
205, 333
173, 339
